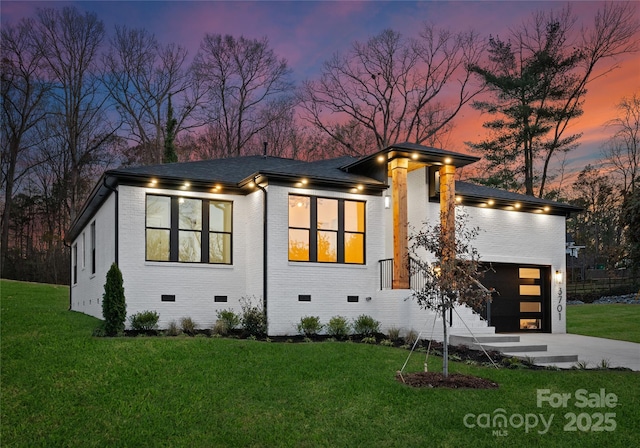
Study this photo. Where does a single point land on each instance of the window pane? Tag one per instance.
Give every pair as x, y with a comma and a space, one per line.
220, 216
328, 246
189, 246
327, 214
158, 211
530, 307
219, 248
299, 211
529, 273
529, 290
157, 245
353, 216
353, 248
298, 245
190, 211
530, 324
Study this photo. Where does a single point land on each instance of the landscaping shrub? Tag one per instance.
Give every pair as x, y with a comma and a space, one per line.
411, 337
220, 328
309, 326
393, 333
173, 329
366, 325
338, 327
114, 308
144, 321
188, 326
230, 319
254, 321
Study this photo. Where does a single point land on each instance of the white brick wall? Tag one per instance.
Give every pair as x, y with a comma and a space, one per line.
512, 237
193, 284
525, 238
86, 294
328, 284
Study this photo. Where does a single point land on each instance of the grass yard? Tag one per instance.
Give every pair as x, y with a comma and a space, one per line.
612, 321
63, 387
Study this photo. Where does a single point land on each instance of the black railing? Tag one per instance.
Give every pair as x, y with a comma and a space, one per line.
417, 279
386, 273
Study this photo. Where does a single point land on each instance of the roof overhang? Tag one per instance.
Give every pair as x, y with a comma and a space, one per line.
376, 165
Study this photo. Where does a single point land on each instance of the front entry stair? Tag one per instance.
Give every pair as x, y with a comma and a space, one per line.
511, 345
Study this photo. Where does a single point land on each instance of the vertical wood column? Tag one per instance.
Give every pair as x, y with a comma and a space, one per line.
447, 211
400, 223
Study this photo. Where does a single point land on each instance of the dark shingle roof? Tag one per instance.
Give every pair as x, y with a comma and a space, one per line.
481, 192
341, 172
237, 169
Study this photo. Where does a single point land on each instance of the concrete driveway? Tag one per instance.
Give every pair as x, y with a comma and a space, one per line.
590, 350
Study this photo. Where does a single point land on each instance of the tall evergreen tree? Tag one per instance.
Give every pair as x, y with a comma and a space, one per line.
530, 89
170, 155
539, 83
114, 308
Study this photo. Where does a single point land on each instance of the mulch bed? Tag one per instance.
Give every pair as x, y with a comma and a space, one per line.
452, 381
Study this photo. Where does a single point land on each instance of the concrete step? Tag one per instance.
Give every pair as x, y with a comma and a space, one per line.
513, 347
490, 338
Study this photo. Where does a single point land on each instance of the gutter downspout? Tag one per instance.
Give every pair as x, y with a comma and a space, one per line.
264, 250
115, 211
71, 275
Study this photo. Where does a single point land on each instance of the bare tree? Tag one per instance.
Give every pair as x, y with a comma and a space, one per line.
69, 41
614, 32
622, 151
598, 226
243, 78
280, 130
395, 88
140, 75
539, 79
455, 275
24, 103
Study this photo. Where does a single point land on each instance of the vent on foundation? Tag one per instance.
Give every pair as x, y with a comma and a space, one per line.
304, 298
168, 297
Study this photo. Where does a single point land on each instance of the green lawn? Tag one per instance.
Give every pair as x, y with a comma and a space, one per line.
63, 387
614, 321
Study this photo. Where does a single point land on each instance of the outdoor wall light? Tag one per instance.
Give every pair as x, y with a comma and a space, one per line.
558, 277
387, 201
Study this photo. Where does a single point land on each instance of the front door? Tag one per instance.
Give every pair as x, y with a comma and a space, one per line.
521, 301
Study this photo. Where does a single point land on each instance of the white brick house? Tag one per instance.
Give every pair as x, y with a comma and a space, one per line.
310, 239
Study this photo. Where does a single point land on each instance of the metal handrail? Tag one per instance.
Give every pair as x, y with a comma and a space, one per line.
417, 279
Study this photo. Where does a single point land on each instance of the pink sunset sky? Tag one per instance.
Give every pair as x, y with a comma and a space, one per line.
306, 33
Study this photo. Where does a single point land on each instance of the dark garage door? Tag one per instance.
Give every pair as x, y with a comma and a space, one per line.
522, 298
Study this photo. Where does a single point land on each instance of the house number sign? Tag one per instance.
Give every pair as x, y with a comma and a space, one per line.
559, 307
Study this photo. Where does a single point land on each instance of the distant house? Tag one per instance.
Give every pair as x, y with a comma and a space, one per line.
320, 238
